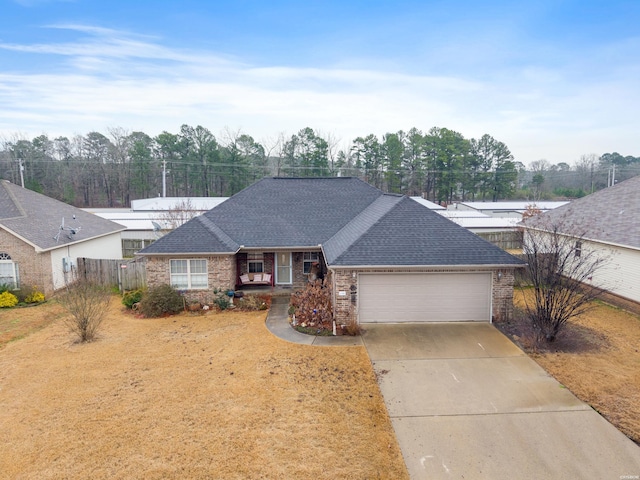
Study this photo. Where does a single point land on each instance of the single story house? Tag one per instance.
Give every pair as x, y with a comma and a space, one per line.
41, 238
390, 259
507, 209
607, 221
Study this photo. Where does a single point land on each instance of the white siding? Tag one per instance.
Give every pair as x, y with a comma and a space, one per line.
622, 273
107, 247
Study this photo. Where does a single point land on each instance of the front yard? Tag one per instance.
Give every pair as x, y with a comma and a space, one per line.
191, 396
597, 358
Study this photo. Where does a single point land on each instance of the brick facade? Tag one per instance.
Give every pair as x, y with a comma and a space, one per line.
221, 275
347, 281
223, 272
34, 269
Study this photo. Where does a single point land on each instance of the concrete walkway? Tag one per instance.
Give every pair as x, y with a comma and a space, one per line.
278, 324
465, 402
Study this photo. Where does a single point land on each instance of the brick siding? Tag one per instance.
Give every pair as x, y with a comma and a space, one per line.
34, 269
221, 273
344, 281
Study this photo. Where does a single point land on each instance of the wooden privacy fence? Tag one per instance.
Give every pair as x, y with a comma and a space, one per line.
126, 274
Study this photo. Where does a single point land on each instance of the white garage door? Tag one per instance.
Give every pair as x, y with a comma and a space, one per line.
424, 297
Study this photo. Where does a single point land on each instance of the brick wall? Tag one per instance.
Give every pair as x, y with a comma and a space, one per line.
221, 275
343, 281
34, 269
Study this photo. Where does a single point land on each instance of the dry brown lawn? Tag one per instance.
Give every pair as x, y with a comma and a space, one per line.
597, 357
190, 396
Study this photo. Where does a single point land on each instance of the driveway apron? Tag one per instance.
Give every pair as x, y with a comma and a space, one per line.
465, 402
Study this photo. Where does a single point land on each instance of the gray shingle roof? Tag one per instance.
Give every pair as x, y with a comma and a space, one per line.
36, 218
356, 224
410, 235
611, 215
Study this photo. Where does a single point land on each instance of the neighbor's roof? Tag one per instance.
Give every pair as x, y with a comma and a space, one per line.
36, 219
428, 204
611, 215
350, 219
169, 203
518, 206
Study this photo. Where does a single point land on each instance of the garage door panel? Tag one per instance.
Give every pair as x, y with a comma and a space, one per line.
424, 297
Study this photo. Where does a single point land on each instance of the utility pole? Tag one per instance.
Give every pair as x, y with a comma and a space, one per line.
164, 178
21, 167
611, 180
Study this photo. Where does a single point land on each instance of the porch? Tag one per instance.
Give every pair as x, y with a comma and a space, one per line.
284, 270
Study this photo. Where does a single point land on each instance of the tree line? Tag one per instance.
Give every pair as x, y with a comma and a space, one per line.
110, 170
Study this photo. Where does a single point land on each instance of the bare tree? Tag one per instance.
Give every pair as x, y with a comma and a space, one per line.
562, 271
178, 214
87, 303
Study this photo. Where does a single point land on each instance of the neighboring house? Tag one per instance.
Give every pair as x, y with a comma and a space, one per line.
509, 209
390, 259
41, 238
501, 231
149, 218
607, 221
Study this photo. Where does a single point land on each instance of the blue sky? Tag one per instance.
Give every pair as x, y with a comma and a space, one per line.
552, 79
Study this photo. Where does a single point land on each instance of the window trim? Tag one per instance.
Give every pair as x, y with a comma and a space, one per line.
189, 274
256, 259
5, 259
577, 251
306, 263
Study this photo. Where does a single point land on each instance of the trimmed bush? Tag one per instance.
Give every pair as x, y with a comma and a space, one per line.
8, 300
134, 296
34, 297
160, 301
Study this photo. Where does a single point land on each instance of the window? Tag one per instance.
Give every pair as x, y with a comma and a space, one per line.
189, 274
255, 262
8, 271
130, 246
308, 259
578, 249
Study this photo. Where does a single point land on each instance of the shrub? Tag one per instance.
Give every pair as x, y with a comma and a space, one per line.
34, 297
8, 299
87, 303
222, 299
352, 326
312, 305
131, 297
253, 302
4, 287
161, 300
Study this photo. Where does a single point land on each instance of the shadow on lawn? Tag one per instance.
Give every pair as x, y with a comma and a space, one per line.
573, 338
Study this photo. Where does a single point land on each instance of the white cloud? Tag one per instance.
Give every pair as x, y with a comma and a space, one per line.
113, 78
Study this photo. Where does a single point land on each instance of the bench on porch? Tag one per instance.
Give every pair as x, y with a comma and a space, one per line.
248, 279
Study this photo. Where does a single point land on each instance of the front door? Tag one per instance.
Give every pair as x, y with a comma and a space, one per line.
283, 268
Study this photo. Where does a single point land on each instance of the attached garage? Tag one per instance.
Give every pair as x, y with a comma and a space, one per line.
424, 297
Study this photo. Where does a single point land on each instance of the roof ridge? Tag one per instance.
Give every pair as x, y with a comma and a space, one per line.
218, 232
16, 203
359, 225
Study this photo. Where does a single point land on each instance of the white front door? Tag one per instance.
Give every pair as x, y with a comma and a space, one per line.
283, 268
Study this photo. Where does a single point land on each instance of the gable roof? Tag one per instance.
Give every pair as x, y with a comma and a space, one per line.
36, 219
610, 215
353, 222
410, 235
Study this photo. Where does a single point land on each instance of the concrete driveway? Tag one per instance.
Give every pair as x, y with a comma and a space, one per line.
465, 402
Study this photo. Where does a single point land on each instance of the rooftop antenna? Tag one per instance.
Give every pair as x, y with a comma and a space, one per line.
156, 229
71, 231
